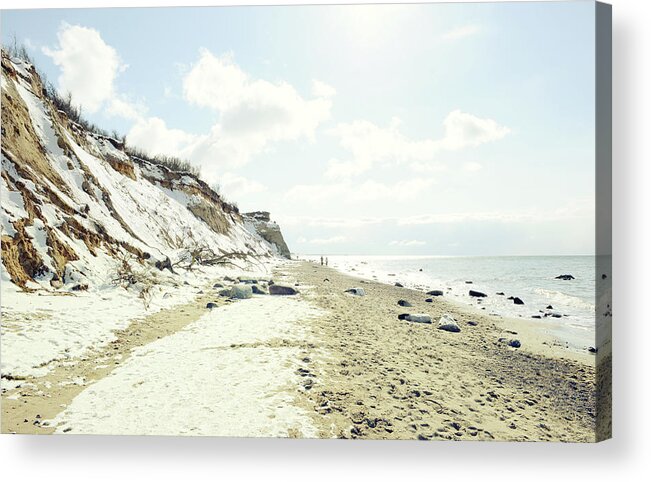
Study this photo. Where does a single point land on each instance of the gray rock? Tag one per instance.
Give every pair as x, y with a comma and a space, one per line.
514, 343
404, 303
211, 305
448, 323
241, 292
428, 300
399, 285
281, 290
565, 277
356, 291
416, 317
217, 285
477, 294
247, 280
435, 293
517, 301
257, 290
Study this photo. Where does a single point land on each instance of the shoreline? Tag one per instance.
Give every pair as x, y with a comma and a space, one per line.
548, 336
380, 377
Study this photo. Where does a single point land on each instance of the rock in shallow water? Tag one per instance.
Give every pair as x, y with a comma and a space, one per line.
565, 277
477, 294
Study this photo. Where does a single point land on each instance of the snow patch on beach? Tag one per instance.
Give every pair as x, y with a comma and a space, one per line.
230, 373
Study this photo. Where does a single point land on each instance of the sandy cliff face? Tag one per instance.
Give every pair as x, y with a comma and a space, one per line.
74, 201
268, 230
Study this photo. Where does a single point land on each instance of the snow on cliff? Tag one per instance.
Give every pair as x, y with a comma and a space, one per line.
74, 201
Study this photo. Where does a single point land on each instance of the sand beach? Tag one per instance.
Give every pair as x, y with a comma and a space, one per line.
321, 363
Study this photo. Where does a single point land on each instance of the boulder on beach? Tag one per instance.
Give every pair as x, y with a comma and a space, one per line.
241, 292
448, 323
428, 300
416, 317
477, 294
356, 291
500, 293
247, 280
211, 305
399, 285
549, 307
517, 301
404, 303
435, 293
514, 343
217, 285
281, 290
257, 290
565, 277
472, 323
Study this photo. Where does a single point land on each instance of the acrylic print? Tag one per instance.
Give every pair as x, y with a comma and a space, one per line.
354, 221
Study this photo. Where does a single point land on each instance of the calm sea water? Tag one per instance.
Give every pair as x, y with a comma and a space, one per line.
531, 278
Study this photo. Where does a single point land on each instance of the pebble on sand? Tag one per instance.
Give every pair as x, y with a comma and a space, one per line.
356, 291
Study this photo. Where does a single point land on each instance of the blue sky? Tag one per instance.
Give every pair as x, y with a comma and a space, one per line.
381, 129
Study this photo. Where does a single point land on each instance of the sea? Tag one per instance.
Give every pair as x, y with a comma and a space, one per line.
530, 278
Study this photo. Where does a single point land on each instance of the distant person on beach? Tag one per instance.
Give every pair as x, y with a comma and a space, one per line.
326, 261
321, 260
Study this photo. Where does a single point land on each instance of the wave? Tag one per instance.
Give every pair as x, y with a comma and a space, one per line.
565, 299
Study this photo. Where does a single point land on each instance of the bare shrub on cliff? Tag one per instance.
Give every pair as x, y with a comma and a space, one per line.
126, 276
197, 254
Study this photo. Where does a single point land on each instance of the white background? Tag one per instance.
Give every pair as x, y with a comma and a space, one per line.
626, 457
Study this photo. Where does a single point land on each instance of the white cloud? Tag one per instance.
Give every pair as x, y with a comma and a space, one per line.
407, 242
121, 106
472, 166
321, 89
88, 66
367, 191
466, 130
319, 222
253, 115
252, 108
153, 135
370, 144
321, 241
461, 32
236, 187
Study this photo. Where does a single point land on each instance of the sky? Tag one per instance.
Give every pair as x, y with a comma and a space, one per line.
424, 129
